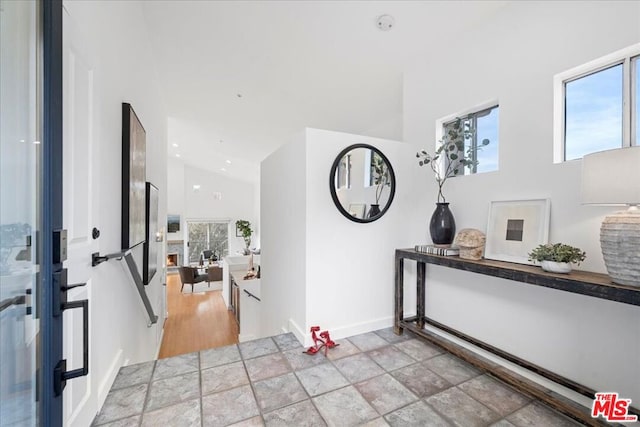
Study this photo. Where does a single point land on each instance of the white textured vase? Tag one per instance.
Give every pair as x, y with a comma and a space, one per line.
620, 243
556, 267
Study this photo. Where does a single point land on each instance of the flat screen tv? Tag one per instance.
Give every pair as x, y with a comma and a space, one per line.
150, 258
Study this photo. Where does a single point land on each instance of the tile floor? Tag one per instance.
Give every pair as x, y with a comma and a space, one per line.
373, 379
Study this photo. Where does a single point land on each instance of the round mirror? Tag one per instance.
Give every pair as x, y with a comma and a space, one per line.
362, 183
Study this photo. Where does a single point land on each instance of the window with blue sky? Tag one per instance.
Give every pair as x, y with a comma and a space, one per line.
593, 113
597, 105
487, 128
483, 125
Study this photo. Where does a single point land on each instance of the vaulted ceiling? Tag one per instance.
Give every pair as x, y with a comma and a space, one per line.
240, 78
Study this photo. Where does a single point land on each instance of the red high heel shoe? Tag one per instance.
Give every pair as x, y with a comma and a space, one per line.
327, 340
318, 342
324, 341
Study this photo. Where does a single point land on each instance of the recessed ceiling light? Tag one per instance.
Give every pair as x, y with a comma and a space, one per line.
223, 169
175, 145
177, 155
196, 187
228, 162
36, 142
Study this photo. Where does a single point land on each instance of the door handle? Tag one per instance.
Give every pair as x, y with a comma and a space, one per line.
60, 373
18, 300
60, 303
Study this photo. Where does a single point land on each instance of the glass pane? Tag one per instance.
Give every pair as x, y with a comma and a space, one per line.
219, 239
20, 211
487, 128
593, 113
636, 97
198, 233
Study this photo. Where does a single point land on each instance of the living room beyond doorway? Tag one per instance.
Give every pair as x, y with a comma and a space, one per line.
197, 320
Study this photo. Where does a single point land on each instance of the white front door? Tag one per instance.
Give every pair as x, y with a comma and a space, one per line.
80, 213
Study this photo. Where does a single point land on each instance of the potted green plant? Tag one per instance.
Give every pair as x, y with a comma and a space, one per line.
449, 159
244, 227
381, 179
557, 257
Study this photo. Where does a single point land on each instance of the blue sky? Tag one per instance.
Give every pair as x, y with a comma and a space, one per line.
594, 113
488, 128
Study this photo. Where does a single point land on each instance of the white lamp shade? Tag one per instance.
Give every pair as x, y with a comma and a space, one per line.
612, 177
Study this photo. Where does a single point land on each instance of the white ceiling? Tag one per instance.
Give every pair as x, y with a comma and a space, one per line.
296, 64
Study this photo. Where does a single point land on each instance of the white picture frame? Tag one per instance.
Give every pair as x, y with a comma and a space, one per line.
515, 228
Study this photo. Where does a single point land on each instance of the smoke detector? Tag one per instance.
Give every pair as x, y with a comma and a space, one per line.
385, 22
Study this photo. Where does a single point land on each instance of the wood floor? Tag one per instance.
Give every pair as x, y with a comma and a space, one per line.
196, 321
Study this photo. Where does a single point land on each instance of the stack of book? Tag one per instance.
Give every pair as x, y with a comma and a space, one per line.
438, 250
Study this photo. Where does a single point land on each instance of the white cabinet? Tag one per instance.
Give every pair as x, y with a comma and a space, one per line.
250, 311
231, 264
245, 300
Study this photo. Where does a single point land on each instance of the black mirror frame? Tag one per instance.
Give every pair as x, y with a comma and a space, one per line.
332, 186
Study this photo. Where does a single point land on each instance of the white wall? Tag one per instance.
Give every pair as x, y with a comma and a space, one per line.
284, 222
318, 267
238, 200
123, 73
514, 57
350, 266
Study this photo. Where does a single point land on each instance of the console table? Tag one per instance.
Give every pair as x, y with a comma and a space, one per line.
579, 282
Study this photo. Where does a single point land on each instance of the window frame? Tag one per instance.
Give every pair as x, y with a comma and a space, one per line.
209, 222
465, 114
628, 58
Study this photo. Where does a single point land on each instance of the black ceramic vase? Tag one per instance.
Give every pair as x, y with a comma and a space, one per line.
374, 211
442, 226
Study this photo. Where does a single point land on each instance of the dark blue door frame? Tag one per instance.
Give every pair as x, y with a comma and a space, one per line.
50, 326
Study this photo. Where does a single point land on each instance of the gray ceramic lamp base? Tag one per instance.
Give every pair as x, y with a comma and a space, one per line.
620, 243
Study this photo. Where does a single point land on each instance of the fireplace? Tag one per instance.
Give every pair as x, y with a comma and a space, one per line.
175, 254
172, 260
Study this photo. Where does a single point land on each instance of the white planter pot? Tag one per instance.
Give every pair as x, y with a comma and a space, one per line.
556, 267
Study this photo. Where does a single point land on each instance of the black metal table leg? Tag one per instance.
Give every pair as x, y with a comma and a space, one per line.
399, 296
420, 293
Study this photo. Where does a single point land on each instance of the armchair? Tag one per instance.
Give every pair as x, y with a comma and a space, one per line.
189, 275
214, 274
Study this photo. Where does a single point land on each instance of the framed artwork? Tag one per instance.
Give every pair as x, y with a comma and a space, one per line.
150, 257
173, 223
134, 177
357, 210
515, 228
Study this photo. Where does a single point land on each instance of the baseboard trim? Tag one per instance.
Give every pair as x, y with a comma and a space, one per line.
160, 341
246, 337
297, 331
341, 332
359, 328
109, 378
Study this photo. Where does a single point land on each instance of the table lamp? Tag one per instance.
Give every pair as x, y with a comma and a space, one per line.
612, 178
